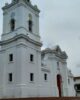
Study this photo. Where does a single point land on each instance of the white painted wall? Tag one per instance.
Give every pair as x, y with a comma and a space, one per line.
51, 63
71, 87
21, 67
49, 87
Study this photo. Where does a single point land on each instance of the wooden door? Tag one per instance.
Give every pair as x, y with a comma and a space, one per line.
59, 80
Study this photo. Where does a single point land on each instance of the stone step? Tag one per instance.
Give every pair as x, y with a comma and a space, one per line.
48, 98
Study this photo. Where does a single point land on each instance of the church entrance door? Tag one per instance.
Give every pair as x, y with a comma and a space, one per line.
59, 81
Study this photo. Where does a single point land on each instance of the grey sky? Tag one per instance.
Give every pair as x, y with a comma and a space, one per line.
59, 24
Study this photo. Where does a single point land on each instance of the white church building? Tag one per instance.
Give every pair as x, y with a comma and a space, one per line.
25, 70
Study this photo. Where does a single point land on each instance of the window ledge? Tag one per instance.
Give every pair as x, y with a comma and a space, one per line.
45, 80
10, 82
10, 62
32, 82
32, 62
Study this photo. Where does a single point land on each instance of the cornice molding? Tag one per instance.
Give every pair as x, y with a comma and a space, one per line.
45, 70
20, 28
18, 37
17, 1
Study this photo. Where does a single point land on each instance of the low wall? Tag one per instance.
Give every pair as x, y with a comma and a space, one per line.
50, 98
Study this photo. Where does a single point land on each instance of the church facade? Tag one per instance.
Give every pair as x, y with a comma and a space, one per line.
25, 70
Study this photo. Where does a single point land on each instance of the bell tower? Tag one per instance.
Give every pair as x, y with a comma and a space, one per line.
20, 17
20, 56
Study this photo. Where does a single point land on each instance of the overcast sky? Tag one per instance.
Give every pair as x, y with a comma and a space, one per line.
59, 25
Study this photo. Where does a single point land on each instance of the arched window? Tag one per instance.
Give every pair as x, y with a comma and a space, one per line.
30, 23
12, 24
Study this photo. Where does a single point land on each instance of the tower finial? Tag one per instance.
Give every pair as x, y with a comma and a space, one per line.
28, 0
14, 0
17, 0
6, 4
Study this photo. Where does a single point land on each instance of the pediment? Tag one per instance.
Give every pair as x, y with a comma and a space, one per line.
57, 49
59, 52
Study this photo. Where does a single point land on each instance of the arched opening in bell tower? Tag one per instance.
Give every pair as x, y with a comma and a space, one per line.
12, 24
30, 23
